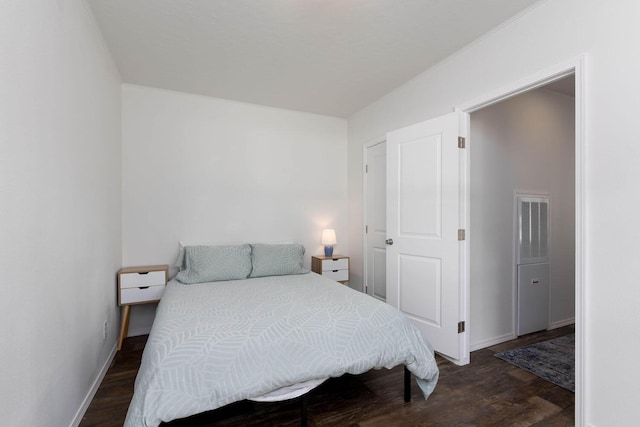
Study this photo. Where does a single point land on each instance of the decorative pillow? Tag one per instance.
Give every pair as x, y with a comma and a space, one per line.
215, 263
180, 265
277, 260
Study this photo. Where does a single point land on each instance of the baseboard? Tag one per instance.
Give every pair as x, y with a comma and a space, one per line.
492, 341
561, 323
94, 388
138, 332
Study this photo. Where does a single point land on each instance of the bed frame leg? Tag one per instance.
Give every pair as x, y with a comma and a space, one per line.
407, 385
303, 411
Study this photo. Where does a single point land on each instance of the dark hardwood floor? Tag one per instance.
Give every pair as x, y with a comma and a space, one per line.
487, 392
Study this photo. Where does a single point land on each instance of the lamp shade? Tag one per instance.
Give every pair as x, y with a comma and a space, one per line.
329, 236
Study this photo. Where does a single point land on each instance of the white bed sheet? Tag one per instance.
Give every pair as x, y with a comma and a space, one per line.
216, 343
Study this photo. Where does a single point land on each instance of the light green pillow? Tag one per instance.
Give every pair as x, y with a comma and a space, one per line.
215, 263
277, 260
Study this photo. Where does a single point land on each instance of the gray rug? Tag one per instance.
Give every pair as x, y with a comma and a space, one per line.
552, 360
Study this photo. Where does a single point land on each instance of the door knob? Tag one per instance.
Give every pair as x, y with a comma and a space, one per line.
389, 242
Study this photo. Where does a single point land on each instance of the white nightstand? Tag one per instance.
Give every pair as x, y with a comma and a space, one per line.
139, 285
334, 267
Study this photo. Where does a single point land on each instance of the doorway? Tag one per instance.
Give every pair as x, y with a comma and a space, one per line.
576, 68
523, 144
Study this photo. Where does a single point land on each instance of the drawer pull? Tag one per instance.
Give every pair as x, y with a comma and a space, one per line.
335, 271
143, 272
143, 287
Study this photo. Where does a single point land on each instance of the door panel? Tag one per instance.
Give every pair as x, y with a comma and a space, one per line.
419, 187
533, 298
424, 211
420, 297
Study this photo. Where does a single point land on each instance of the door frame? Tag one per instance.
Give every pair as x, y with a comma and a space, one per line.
365, 208
575, 66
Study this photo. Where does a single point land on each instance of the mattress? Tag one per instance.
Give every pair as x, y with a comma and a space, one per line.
212, 344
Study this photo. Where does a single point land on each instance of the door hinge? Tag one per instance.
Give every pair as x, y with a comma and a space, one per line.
461, 234
461, 142
366, 168
461, 327
366, 229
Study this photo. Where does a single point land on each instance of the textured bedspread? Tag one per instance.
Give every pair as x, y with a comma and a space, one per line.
212, 344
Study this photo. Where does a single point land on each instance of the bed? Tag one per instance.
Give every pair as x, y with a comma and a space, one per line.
265, 337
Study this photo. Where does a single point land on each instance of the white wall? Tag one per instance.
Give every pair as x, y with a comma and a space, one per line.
200, 169
526, 145
60, 228
554, 32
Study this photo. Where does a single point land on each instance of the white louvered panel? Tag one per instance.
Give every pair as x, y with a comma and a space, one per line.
533, 229
544, 230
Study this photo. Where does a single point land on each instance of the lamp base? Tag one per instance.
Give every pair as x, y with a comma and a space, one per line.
328, 250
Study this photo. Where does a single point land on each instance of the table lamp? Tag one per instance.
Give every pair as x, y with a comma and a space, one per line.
328, 240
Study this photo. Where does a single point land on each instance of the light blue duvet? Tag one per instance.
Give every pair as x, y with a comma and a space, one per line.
212, 344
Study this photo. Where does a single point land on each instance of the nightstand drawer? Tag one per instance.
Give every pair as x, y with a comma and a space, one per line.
141, 294
334, 268
337, 275
136, 280
335, 264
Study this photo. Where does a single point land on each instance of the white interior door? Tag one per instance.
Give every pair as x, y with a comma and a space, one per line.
424, 215
375, 281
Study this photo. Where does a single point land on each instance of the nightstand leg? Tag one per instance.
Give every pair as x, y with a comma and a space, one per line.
124, 325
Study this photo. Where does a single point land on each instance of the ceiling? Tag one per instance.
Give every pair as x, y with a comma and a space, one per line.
331, 57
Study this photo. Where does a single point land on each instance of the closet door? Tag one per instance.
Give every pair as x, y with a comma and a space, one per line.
376, 221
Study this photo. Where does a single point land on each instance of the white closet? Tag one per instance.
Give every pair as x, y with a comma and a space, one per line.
532, 263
